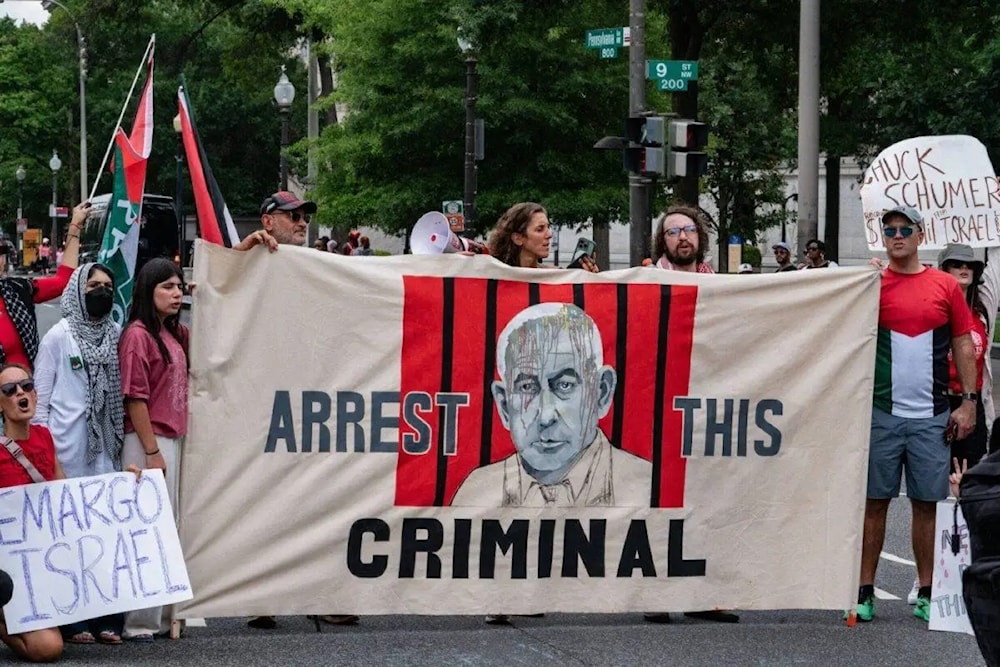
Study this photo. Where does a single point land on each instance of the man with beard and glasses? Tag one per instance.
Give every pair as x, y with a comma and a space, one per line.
679, 244
681, 239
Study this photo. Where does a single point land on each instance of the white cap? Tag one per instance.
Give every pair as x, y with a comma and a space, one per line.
745, 268
45, 240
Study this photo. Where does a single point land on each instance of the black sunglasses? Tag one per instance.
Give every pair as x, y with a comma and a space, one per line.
955, 264
892, 232
10, 388
296, 216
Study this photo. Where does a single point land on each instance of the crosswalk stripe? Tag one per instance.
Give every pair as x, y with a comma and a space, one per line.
885, 595
896, 559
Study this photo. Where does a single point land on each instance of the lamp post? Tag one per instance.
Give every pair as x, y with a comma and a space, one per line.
55, 164
284, 93
81, 44
784, 219
20, 174
471, 95
179, 193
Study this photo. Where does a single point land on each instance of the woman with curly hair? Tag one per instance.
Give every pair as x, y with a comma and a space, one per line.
522, 237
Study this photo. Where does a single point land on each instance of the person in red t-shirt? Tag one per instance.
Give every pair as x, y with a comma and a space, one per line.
18, 296
17, 405
152, 353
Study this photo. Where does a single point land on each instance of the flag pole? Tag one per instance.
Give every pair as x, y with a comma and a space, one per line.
118, 123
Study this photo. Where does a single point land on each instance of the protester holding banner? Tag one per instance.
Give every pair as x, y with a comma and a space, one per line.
920, 311
18, 326
680, 240
522, 236
154, 373
29, 457
80, 400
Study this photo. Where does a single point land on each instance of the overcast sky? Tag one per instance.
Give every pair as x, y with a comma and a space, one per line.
24, 10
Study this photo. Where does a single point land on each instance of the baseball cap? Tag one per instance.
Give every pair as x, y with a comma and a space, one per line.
908, 212
959, 252
745, 268
781, 244
282, 200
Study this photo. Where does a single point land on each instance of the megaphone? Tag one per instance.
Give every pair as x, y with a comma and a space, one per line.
432, 235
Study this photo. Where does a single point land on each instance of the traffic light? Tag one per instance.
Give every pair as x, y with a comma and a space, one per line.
686, 139
646, 136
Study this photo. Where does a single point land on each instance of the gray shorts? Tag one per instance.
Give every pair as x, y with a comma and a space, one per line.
919, 443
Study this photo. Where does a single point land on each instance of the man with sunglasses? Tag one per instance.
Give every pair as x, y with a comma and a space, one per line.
681, 240
783, 256
922, 313
816, 256
285, 221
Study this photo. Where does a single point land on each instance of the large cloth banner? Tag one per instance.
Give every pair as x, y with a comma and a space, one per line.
949, 179
449, 435
87, 547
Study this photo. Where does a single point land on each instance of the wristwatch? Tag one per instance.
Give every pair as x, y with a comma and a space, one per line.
970, 396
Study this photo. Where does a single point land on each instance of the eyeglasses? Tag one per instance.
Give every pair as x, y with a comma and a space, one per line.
676, 231
954, 264
10, 388
295, 215
893, 232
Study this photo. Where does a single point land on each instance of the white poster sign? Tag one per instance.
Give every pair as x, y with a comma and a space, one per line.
90, 546
948, 611
949, 179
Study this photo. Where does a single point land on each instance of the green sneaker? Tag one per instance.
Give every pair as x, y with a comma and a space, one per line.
865, 609
922, 610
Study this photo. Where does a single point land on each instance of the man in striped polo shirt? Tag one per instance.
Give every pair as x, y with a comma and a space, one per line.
922, 314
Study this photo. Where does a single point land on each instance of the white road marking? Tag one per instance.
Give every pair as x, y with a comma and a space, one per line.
881, 595
896, 559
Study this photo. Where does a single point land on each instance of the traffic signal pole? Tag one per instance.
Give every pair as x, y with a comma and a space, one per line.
639, 186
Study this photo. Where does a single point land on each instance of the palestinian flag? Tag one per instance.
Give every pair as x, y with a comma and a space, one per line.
215, 224
120, 245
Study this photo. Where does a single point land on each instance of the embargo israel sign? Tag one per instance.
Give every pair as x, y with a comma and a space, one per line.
949, 179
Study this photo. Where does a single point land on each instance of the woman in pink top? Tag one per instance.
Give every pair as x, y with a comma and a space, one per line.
154, 369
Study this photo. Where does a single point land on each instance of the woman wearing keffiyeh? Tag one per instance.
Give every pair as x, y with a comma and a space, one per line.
78, 382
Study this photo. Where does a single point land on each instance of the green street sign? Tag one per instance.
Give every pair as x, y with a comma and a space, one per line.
672, 85
672, 69
605, 38
609, 52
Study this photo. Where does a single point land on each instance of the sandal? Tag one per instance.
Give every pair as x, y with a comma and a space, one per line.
108, 637
81, 638
141, 639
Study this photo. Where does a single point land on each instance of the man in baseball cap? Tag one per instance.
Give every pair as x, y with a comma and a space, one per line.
783, 256
911, 215
285, 220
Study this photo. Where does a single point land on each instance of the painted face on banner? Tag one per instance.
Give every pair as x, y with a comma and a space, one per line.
681, 242
554, 391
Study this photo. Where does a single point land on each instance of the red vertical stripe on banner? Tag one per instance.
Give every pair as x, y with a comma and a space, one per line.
640, 374
469, 336
420, 372
555, 294
680, 338
600, 303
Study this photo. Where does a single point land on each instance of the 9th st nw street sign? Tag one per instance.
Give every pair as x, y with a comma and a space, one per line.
672, 75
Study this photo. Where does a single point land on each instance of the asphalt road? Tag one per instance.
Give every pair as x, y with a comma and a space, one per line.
761, 638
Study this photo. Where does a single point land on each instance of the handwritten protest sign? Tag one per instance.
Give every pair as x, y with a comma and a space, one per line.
949, 179
948, 611
87, 547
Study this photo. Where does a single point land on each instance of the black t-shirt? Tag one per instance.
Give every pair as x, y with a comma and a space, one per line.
790, 267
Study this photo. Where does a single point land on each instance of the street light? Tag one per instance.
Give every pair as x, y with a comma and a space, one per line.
784, 218
55, 164
284, 93
179, 192
471, 93
81, 44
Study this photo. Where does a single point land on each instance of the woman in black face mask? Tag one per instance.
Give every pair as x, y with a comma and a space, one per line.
78, 382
